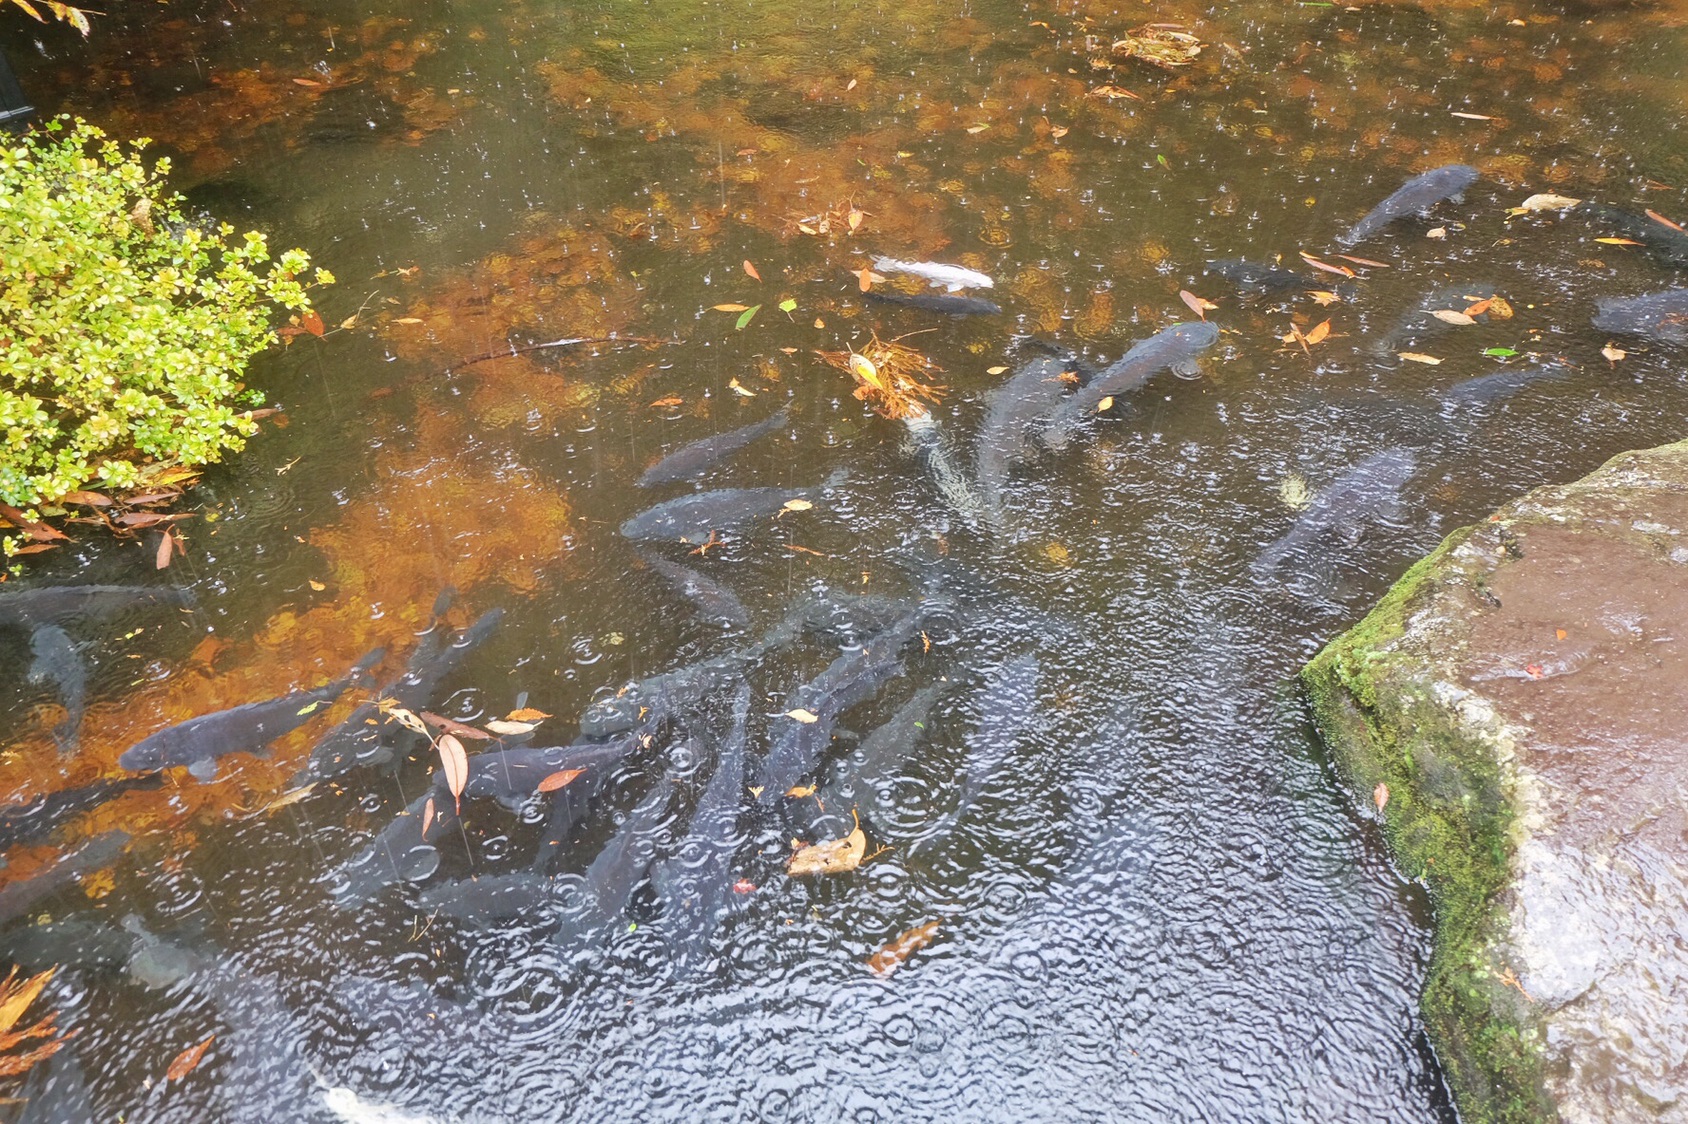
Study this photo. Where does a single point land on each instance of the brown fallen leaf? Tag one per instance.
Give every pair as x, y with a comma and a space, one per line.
665, 403
453, 726
427, 817
1662, 221
1449, 316
166, 547
1380, 795
1612, 353
731, 307
1365, 261
1197, 305
751, 269
1323, 297
1479, 308
1339, 270
894, 955
86, 499
1318, 333
1498, 309
835, 856
865, 277
38, 531
455, 762
187, 1059
527, 714
1112, 93
558, 779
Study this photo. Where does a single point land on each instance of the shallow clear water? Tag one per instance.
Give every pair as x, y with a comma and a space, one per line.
1161, 905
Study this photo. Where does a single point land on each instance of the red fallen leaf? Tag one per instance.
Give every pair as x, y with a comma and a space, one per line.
456, 765
1380, 795
751, 269
427, 817
452, 726
1658, 218
186, 1060
37, 548
1534, 671
896, 954
558, 779
87, 499
166, 546
312, 323
1339, 270
40, 532
744, 886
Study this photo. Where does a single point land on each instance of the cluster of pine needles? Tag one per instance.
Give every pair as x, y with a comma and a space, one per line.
888, 376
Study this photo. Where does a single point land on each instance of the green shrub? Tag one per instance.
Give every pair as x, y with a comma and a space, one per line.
125, 324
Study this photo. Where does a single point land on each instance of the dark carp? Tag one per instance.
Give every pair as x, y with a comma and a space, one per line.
1007, 712
27, 822
692, 460
713, 600
874, 764
49, 604
484, 898
364, 738
1660, 316
695, 883
692, 519
619, 868
571, 804
1368, 491
250, 728
946, 304
57, 662
19, 897
1015, 413
1414, 197
1175, 347
1486, 390
403, 851
1421, 325
1263, 277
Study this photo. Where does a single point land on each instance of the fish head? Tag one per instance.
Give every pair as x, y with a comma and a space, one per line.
142, 758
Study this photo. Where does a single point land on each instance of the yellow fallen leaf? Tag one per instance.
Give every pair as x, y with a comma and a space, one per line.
1415, 357
1499, 309
730, 307
503, 726
797, 505
799, 791
316, 585
1613, 354
1322, 297
741, 390
526, 714
804, 716
1105, 404
1618, 241
995, 370
407, 320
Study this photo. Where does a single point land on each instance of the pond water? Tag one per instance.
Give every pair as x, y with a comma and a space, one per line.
1153, 899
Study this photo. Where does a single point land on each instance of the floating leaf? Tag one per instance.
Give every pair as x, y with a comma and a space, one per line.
746, 317
1449, 316
797, 505
1365, 261
527, 714
751, 269
894, 955
187, 1059
995, 370
166, 547
16, 998
1197, 305
666, 403
1658, 218
1618, 241
402, 716
729, 307
740, 389
1479, 308
862, 367
1339, 270
1499, 309
452, 726
312, 323
1322, 297
1380, 795
1613, 354
1293, 491
977, 128
456, 765
799, 791
500, 726
1318, 333
804, 716
1499, 352
1536, 203
1416, 357
1472, 116
558, 779
836, 856
788, 305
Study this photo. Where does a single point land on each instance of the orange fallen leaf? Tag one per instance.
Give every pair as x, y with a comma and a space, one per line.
751, 269
1559, 634
800, 790
1417, 357
1319, 332
894, 955
664, 403
1197, 305
1658, 218
865, 277
744, 886
1380, 795
312, 323
1479, 308
731, 307
306, 82
1618, 241
526, 714
1339, 270
186, 1060
1365, 261
558, 779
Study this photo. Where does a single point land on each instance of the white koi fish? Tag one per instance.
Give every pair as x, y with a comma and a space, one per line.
952, 277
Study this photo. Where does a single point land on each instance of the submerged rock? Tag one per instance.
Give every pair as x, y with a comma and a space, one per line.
1517, 709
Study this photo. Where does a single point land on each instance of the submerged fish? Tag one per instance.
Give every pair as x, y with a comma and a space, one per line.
875, 762
199, 742
1485, 390
512, 775
57, 662
690, 460
1421, 325
1014, 413
1175, 347
46, 604
364, 737
619, 868
694, 884
1007, 710
19, 897
484, 898
1262, 277
714, 600
1368, 491
571, 803
1664, 244
1418, 194
1662, 316
403, 851
691, 519
949, 305
951, 277
800, 736
933, 453
25, 823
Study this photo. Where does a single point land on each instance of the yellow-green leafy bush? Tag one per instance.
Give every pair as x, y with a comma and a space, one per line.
125, 324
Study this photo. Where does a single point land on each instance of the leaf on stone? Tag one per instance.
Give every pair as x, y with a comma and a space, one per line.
894, 955
456, 765
835, 856
1380, 795
187, 1059
559, 779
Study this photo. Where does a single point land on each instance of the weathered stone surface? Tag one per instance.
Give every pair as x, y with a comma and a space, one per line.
1522, 694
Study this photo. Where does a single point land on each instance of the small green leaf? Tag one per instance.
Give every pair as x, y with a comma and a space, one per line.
1499, 352
746, 317
789, 304
1160, 158
310, 706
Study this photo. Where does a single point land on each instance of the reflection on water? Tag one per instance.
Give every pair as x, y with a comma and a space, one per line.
1152, 901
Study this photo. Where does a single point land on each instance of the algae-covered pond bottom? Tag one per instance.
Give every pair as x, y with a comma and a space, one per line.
1152, 900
